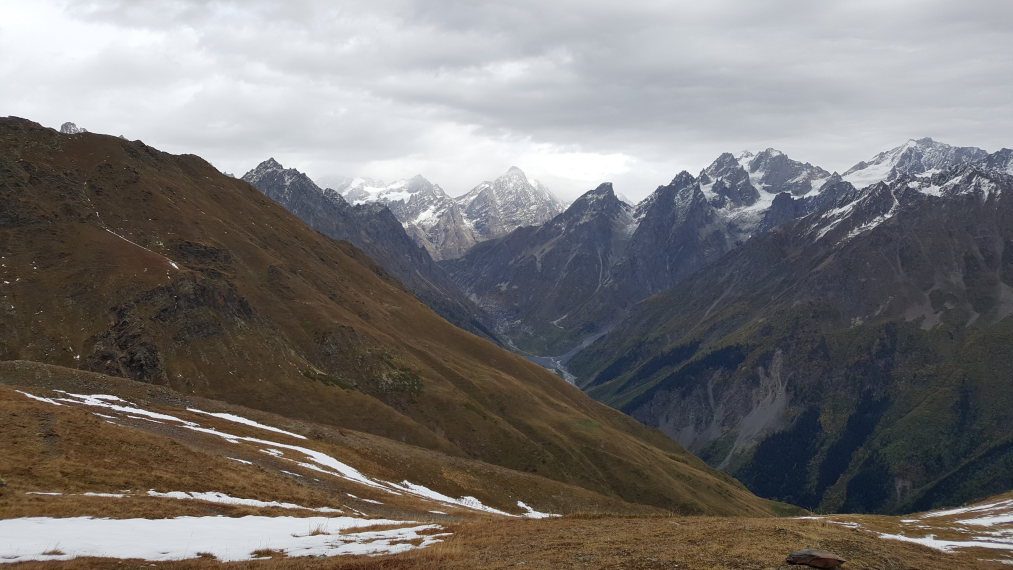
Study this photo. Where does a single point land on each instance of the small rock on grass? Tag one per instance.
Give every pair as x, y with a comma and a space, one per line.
815, 558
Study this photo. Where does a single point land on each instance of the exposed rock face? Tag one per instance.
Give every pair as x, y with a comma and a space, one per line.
729, 183
428, 214
1001, 160
450, 237
813, 361
773, 172
372, 227
609, 254
678, 233
69, 128
743, 190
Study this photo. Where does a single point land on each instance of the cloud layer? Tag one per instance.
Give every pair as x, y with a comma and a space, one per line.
573, 92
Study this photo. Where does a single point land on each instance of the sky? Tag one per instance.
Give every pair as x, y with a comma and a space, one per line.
574, 92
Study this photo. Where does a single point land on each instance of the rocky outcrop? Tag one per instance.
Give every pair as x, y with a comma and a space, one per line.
815, 558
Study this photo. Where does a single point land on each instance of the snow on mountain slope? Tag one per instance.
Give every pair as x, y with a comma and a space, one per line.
742, 188
511, 201
413, 201
922, 156
863, 210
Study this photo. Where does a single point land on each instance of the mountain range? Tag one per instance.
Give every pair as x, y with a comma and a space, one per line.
447, 227
605, 255
740, 244
847, 360
817, 335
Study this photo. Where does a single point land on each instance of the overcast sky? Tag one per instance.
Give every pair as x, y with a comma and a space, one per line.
573, 92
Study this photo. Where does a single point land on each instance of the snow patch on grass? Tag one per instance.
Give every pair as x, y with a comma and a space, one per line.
245, 421
466, 502
222, 498
533, 514
227, 539
311, 459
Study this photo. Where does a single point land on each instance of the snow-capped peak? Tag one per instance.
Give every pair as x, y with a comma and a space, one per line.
507, 203
916, 156
965, 179
771, 152
520, 175
744, 157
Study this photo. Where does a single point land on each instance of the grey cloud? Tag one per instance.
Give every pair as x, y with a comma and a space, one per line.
671, 84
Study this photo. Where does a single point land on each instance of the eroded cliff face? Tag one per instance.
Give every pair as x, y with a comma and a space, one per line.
723, 416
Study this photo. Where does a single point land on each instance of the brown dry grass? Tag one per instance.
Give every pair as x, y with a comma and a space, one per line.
617, 543
49, 448
67, 449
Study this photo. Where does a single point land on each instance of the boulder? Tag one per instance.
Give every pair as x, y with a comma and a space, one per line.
815, 558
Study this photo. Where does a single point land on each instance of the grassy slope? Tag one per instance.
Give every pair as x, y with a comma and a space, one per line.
69, 450
266, 313
50, 448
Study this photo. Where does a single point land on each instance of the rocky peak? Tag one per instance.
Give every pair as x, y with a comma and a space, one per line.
280, 183
1001, 160
69, 128
682, 180
269, 165
603, 191
773, 172
722, 164
726, 183
511, 201
602, 201
973, 179
764, 157
516, 172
